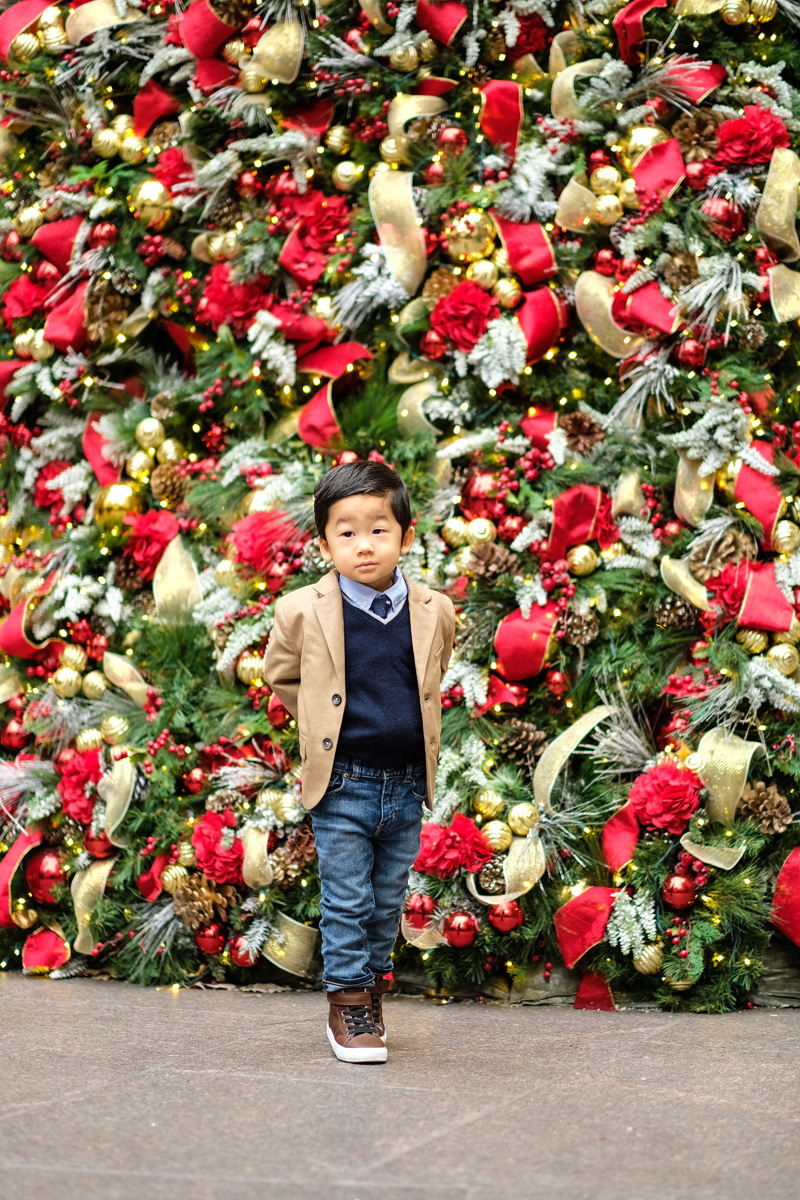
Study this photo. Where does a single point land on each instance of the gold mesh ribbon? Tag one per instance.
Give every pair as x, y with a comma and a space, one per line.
724, 859
372, 11
697, 8
723, 760
557, 753
694, 493
777, 209
116, 790
784, 292
575, 207
96, 15
10, 683
563, 46
408, 108
279, 52
563, 100
395, 216
256, 869
292, 947
406, 369
123, 674
628, 497
411, 417
523, 866
87, 887
422, 939
593, 294
176, 584
680, 580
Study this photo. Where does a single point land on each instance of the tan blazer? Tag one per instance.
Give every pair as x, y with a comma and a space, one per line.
304, 666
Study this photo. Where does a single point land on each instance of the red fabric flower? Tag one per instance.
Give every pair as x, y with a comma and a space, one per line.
605, 529
666, 796
76, 785
313, 239
21, 299
532, 38
259, 537
729, 587
172, 168
444, 849
227, 303
751, 138
151, 534
220, 864
464, 315
45, 497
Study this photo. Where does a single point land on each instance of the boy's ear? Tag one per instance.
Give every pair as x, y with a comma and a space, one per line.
324, 550
408, 540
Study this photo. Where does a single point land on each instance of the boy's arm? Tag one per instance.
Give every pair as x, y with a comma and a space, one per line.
282, 664
449, 637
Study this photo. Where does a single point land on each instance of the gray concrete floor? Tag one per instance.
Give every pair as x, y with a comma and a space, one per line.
127, 1094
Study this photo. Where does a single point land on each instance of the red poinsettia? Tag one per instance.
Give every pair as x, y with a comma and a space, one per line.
532, 37
261, 536
22, 298
750, 139
151, 534
306, 253
729, 587
77, 784
43, 496
218, 853
666, 796
172, 167
444, 849
463, 316
226, 303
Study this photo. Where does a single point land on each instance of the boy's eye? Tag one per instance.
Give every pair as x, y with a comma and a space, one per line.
379, 531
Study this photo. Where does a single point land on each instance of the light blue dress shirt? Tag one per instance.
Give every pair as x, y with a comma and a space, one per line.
362, 596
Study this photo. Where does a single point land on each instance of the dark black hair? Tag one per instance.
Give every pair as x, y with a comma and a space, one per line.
362, 478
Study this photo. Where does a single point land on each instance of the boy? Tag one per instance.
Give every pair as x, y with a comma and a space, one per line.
357, 659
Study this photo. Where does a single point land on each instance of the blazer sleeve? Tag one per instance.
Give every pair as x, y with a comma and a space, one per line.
282, 663
449, 634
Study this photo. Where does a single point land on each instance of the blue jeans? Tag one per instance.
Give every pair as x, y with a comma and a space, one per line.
367, 834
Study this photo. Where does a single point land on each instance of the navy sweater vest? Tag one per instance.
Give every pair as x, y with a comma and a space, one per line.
382, 721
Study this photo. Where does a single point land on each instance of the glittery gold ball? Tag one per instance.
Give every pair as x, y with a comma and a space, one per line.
462, 558
66, 682
469, 235
73, 656
481, 530
41, 349
507, 292
114, 501
171, 451
338, 139
105, 142
581, 560
628, 195
89, 739
23, 343
53, 39
677, 985
24, 47
151, 202
501, 260
133, 149
172, 877
225, 573
605, 181
122, 124
637, 140
498, 835
607, 210
786, 537
791, 635
95, 685
763, 10
428, 50
233, 50
651, 959
252, 79
754, 641
735, 12
784, 658
484, 273
522, 818
454, 531
186, 854
139, 465
222, 247
50, 16
346, 175
114, 728
250, 667
150, 433
404, 60
394, 148
283, 804
29, 219
487, 802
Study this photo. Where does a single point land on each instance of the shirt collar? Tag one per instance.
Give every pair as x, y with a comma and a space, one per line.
362, 596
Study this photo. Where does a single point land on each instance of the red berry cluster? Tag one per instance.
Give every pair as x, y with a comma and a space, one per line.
209, 395
44, 669
453, 695
561, 131
680, 928
689, 865
215, 438
183, 286
253, 473
18, 435
370, 129
163, 740
258, 694
203, 469
249, 610
152, 704
151, 249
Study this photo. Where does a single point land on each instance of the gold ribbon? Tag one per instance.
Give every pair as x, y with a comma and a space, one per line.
279, 52
256, 869
575, 207
96, 15
411, 417
559, 750
406, 369
784, 292
372, 11
176, 584
116, 789
523, 866
87, 887
724, 859
593, 294
628, 497
697, 8
292, 947
123, 674
422, 939
10, 684
723, 760
406, 108
694, 493
777, 209
527, 70
564, 44
680, 580
563, 100
392, 205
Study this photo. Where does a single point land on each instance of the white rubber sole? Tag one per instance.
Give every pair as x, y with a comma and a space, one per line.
359, 1054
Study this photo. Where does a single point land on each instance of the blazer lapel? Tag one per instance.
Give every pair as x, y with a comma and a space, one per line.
424, 621
328, 607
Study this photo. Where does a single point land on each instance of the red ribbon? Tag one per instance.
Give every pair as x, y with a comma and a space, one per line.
620, 838
541, 317
629, 28
499, 692
581, 922
8, 866
7, 372
65, 327
149, 882
529, 249
16, 18
594, 992
94, 449
213, 73
501, 114
695, 82
151, 104
13, 638
538, 425
760, 494
645, 309
44, 951
785, 913
55, 240
441, 21
764, 605
314, 119
317, 423
576, 519
521, 645
660, 170
434, 85
202, 31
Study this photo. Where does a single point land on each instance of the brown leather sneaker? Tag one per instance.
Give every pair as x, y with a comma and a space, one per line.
351, 1029
381, 986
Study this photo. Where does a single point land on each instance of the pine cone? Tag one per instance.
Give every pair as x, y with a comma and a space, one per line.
496, 44
225, 212
167, 484
426, 127
125, 281
222, 631
225, 798
490, 559
491, 879
675, 613
753, 336
681, 270
583, 433
174, 249
165, 133
732, 547
524, 742
161, 407
127, 574
105, 311
299, 845
233, 12
578, 630
765, 805
197, 899
285, 872
697, 134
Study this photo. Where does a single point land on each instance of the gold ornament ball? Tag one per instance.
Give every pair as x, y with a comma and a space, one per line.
735, 12
498, 835
501, 260
95, 685
404, 60
522, 818
484, 273
150, 433
784, 658
50, 16
114, 728
250, 667
754, 641
89, 739
139, 465
283, 804
462, 558
454, 531
25, 918
133, 150
225, 573
172, 877
73, 656
507, 292
469, 236
346, 175
122, 124
726, 477
105, 142
151, 202
233, 50
677, 985
186, 854
605, 181
637, 140
607, 210
24, 47
41, 349
338, 139
790, 635
651, 959
487, 802
428, 50
29, 219
394, 148
763, 10
786, 537
222, 247
252, 79
66, 682
481, 530
628, 195
171, 451
53, 39
114, 501
581, 560
23, 343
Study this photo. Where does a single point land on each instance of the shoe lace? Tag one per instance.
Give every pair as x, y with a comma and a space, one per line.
376, 1007
358, 1019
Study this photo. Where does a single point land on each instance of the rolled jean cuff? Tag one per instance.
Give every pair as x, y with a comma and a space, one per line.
333, 985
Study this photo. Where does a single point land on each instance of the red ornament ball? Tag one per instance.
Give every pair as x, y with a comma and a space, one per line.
691, 353
505, 917
43, 871
697, 175
433, 175
97, 845
210, 938
453, 139
509, 526
14, 736
679, 892
277, 715
625, 268
605, 262
240, 954
105, 233
557, 682
420, 908
62, 758
671, 530
699, 651
9, 247
460, 929
726, 219
46, 274
433, 345
195, 780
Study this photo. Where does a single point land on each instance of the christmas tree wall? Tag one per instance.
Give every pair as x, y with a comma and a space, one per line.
541, 258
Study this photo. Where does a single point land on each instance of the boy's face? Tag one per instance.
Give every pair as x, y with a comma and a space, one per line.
364, 541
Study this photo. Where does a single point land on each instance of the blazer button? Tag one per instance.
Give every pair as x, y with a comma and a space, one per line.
336, 699
327, 744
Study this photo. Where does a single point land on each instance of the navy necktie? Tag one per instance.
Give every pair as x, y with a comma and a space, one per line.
381, 605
